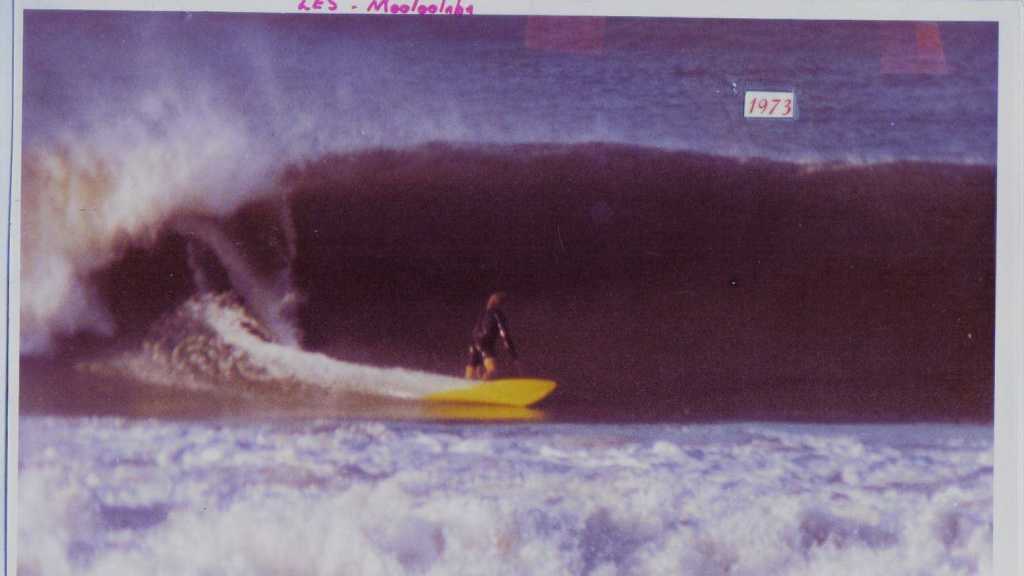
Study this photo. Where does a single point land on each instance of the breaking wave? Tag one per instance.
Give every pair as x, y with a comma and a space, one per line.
382, 257
362, 207
211, 342
87, 200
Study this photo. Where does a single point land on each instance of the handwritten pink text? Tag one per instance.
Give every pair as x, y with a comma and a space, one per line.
417, 7
318, 5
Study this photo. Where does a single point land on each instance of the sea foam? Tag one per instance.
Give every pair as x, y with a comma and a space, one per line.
212, 342
109, 496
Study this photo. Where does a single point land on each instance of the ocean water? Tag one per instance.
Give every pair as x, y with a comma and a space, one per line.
111, 496
251, 242
300, 87
361, 184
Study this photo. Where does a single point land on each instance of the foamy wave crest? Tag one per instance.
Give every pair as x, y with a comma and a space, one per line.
112, 497
212, 342
89, 195
272, 299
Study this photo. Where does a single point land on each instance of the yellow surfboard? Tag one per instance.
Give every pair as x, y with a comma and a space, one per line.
505, 392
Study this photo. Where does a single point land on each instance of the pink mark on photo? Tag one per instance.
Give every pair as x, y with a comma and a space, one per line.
912, 48
581, 35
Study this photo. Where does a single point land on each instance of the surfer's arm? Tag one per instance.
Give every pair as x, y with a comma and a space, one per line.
506, 337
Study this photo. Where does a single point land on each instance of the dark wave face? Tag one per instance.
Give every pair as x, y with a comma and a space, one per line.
650, 284
661, 281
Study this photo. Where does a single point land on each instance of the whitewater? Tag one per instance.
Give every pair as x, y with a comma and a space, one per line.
212, 343
120, 496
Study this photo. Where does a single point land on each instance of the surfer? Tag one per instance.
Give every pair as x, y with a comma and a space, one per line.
483, 351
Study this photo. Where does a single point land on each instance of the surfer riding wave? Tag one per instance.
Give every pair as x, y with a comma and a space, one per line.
483, 352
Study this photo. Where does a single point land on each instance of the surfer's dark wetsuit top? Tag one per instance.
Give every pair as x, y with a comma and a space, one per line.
491, 326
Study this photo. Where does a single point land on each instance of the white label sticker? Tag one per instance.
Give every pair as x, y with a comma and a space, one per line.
761, 104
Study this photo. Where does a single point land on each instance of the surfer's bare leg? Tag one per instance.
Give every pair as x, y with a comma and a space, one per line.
490, 367
474, 368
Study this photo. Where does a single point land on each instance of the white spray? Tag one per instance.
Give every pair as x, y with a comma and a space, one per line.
90, 196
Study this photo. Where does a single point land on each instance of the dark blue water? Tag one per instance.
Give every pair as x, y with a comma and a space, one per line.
305, 86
